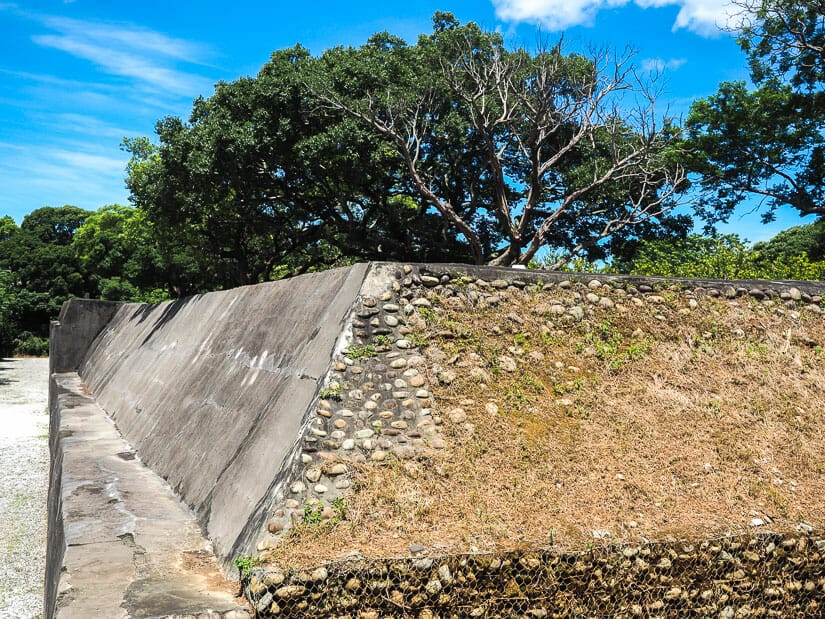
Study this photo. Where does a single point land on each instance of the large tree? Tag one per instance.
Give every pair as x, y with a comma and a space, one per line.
768, 142
516, 150
455, 148
262, 182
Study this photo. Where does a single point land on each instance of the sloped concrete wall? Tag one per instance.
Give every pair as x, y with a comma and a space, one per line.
212, 390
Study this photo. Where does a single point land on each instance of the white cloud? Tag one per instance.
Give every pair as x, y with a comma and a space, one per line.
61, 131
705, 17
125, 64
134, 38
98, 165
657, 65
83, 124
147, 57
150, 59
62, 175
553, 14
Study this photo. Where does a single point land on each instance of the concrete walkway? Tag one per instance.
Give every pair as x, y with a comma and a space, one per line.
131, 548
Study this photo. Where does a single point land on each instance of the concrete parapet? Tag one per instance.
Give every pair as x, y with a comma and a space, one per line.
79, 323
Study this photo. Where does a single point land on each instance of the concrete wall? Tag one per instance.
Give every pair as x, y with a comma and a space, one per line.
212, 390
79, 323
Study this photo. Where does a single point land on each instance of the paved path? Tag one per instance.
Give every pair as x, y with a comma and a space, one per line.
132, 548
24, 461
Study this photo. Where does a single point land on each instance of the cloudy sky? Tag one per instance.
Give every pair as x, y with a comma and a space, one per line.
79, 75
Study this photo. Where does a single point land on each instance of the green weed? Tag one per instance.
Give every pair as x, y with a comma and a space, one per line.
570, 386
313, 514
331, 393
429, 315
245, 564
418, 340
361, 352
609, 346
339, 506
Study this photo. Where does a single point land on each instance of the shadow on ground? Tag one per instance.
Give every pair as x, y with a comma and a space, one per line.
5, 366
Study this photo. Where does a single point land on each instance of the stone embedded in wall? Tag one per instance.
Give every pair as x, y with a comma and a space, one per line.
375, 405
764, 575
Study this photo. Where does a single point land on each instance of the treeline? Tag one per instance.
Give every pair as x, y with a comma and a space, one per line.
60, 253
454, 148
117, 254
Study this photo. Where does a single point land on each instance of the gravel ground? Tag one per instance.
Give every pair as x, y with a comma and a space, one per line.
24, 462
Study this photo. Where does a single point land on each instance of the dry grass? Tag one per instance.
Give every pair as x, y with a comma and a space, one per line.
648, 422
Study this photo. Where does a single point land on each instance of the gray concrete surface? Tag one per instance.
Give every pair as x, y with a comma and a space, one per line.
212, 391
79, 323
121, 543
24, 461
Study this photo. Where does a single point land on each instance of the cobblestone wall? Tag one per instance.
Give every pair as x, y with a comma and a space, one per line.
765, 575
375, 403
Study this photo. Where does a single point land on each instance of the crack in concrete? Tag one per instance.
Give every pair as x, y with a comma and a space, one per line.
138, 555
81, 544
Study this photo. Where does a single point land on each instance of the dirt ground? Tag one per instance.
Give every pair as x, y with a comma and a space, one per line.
24, 461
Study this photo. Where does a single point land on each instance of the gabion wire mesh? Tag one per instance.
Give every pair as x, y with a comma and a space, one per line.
764, 575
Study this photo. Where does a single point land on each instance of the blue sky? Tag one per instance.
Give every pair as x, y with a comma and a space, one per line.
77, 76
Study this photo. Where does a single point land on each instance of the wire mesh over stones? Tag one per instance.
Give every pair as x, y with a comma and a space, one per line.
763, 575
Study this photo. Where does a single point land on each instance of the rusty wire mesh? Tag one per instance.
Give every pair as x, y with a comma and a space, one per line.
762, 575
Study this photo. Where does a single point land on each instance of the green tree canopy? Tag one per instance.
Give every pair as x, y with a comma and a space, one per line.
517, 150
808, 241
784, 39
8, 227
116, 247
722, 257
8, 307
454, 148
43, 265
766, 143
264, 183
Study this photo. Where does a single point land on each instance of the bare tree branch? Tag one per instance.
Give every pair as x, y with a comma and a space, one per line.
551, 130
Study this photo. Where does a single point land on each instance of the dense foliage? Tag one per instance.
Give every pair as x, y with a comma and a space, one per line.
455, 148
766, 143
59, 253
723, 257
794, 254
